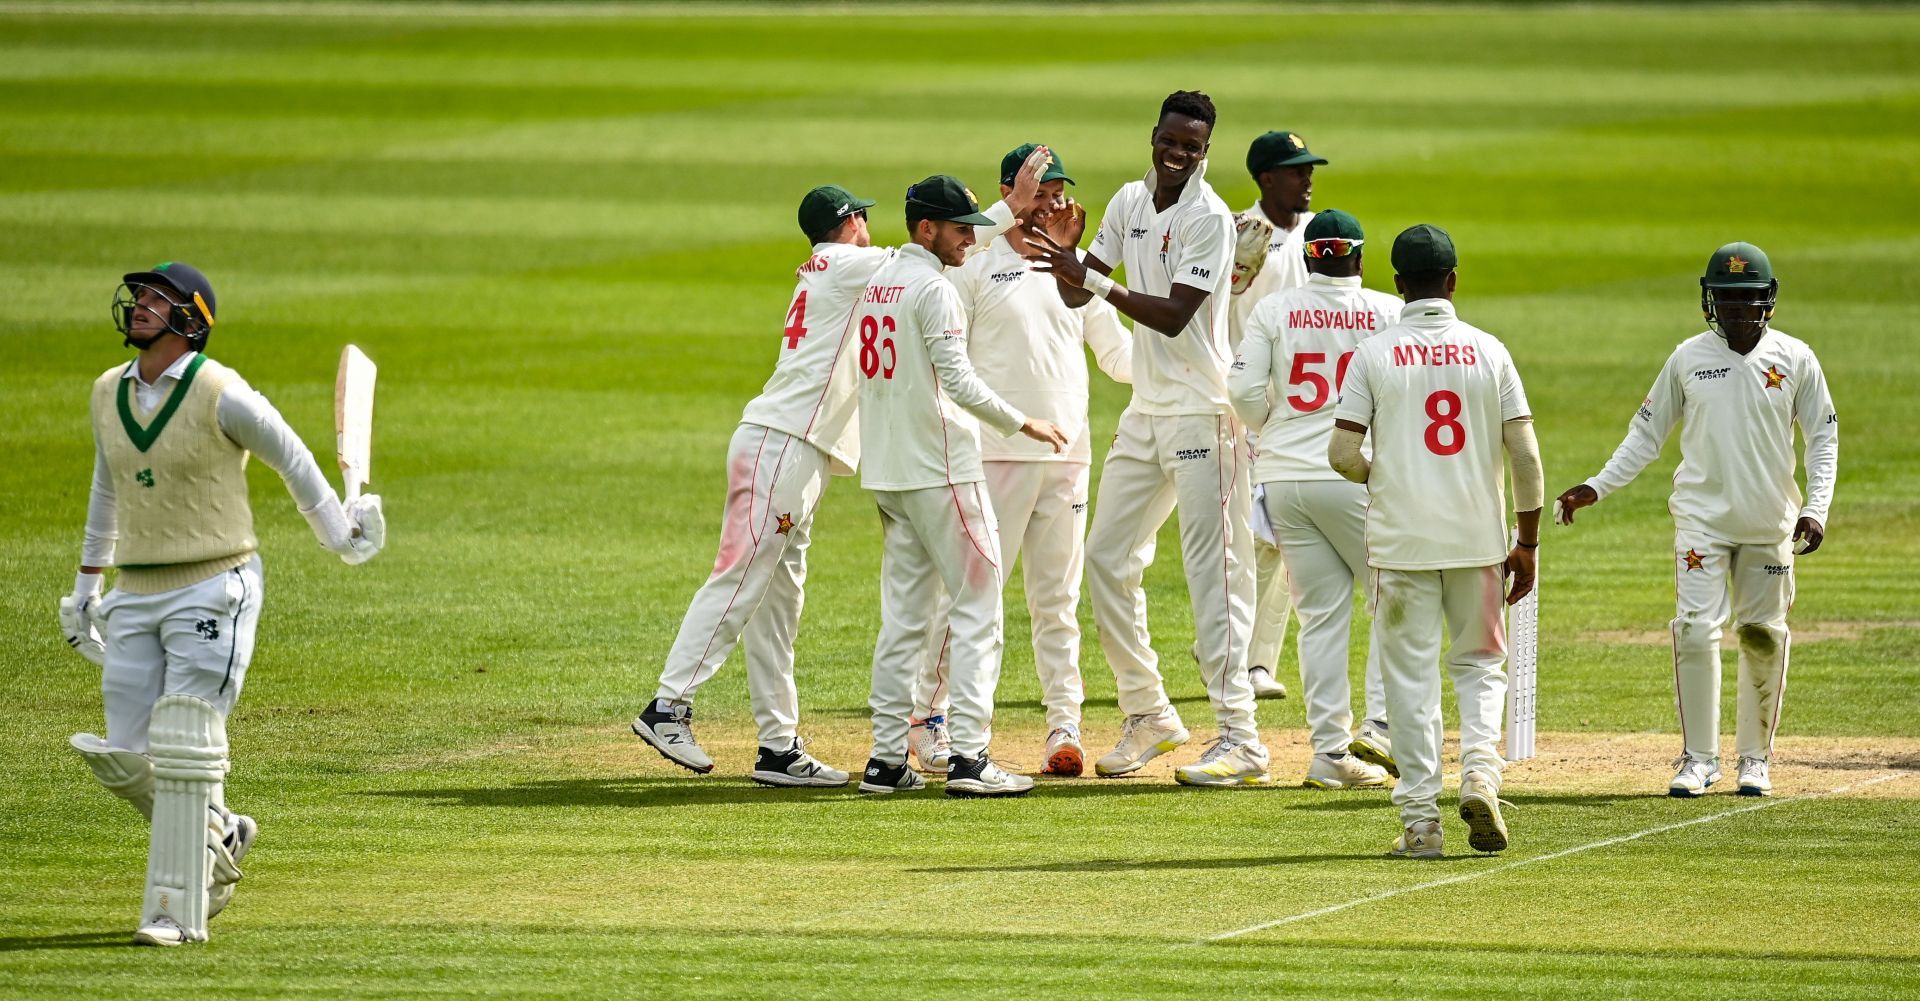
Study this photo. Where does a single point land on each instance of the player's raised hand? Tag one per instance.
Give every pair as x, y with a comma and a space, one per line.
1040, 430
1026, 183
1521, 565
1573, 500
1808, 533
1051, 258
1068, 225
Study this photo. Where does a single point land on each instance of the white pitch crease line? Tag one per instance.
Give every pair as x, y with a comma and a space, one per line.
1563, 853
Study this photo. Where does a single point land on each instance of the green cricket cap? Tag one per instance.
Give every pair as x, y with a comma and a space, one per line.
1010, 165
826, 207
943, 198
1424, 248
1738, 265
1278, 149
1332, 224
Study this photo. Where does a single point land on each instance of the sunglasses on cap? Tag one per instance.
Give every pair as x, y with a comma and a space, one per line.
1332, 246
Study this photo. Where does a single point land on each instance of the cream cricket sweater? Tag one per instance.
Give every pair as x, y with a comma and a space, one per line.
180, 484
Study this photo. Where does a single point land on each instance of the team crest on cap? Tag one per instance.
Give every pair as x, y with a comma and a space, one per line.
1695, 561
783, 524
1774, 376
1736, 265
970, 199
1294, 142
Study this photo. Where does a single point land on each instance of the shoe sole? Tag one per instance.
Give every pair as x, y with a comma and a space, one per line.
781, 780
1485, 830
141, 937
1373, 755
1313, 783
878, 790
1755, 791
642, 731
1280, 694
973, 790
1158, 749
1222, 782
1067, 763
1421, 854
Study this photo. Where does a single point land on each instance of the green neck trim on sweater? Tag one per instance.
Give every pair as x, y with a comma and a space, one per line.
144, 437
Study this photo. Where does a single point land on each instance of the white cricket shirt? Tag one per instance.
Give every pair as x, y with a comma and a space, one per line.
1293, 362
1191, 243
1286, 268
1032, 349
1433, 392
803, 397
1735, 480
919, 396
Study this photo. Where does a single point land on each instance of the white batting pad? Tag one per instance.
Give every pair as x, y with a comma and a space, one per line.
353, 418
124, 773
189, 740
1523, 660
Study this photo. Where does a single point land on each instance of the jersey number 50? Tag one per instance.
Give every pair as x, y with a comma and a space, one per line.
871, 344
1299, 376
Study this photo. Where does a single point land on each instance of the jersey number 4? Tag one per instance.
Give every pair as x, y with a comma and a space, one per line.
872, 344
796, 320
1301, 376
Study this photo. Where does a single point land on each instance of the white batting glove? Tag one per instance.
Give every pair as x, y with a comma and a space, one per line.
366, 514
1251, 239
77, 619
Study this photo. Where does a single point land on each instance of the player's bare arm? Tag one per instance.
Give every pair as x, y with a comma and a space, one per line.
1523, 452
1168, 315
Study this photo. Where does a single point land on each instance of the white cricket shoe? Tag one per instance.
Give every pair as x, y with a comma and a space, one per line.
1343, 772
668, 726
1065, 757
1142, 739
1226, 763
930, 744
1753, 777
1372, 746
1264, 684
241, 830
980, 777
883, 778
1422, 839
1693, 777
161, 931
792, 766
1480, 807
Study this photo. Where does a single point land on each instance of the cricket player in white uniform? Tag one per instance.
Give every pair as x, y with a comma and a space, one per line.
1031, 349
801, 429
1178, 443
1739, 389
921, 408
1282, 167
1293, 360
172, 433
1441, 399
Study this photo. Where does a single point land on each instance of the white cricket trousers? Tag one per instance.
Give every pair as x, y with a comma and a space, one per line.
1410, 606
1760, 578
774, 485
1321, 526
1156, 464
1041, 509
940, 556
195, 640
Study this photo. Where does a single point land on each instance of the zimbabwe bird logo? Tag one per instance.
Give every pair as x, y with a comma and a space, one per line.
1695, 561
1774, 376
783, 524
1736, 265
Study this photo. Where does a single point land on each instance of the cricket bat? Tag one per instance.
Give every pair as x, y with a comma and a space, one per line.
353, 418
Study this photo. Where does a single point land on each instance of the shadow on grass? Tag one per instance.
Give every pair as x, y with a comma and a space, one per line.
1187, 864
77, 940
657, 792
1374, 799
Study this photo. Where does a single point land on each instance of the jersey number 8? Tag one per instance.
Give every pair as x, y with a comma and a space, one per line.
1445, 436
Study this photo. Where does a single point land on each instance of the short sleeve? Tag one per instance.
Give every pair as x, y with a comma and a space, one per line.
1110, 241
1513, 397
1205, 252
1355, 402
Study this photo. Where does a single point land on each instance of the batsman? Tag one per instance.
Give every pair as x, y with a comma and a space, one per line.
172, 433
1739, 388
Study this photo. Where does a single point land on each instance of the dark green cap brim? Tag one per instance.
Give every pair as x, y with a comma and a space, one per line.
976, 219
1296, 161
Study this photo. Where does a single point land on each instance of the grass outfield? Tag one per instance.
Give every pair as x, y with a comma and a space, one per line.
567, 241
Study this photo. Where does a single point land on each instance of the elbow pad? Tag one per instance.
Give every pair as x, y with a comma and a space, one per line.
1523, 450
